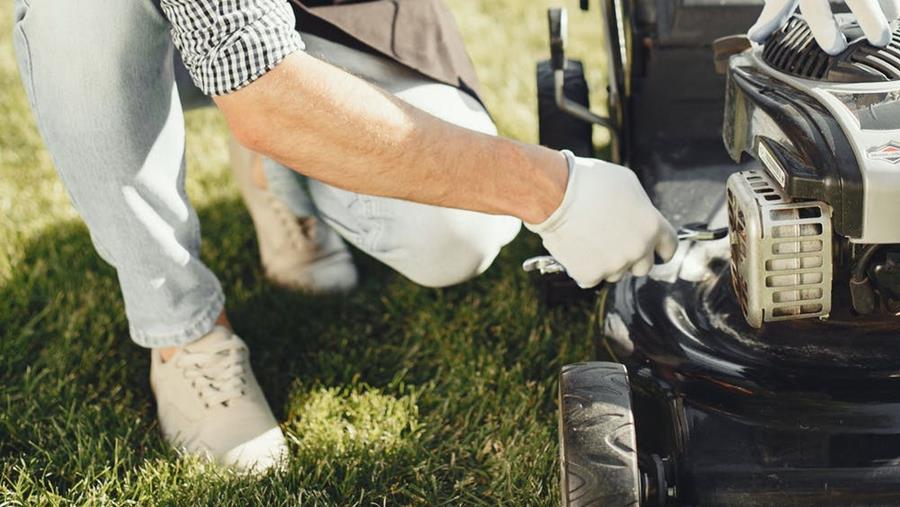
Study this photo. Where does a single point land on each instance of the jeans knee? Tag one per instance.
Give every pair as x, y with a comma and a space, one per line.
450, 254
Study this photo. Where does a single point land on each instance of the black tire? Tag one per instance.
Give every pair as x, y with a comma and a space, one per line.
597, 443
560, 130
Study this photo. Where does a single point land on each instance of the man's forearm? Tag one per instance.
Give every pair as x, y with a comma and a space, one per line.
338, 129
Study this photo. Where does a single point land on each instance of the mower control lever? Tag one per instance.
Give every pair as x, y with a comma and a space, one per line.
547, 265
558, 19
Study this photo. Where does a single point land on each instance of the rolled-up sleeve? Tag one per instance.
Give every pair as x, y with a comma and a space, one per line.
228, 44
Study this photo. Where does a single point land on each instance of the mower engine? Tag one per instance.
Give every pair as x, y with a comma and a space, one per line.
761, 369
816, 226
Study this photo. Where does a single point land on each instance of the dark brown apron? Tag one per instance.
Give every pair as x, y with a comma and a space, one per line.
419, 34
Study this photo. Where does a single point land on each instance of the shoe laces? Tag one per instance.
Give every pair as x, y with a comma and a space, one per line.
218, 374
301, 230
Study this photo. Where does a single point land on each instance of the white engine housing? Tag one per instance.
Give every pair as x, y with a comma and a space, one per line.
781, 251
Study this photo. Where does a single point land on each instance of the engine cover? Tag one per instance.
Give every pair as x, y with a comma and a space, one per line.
793, 50
781, 251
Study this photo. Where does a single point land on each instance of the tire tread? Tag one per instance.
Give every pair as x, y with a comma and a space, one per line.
598, 451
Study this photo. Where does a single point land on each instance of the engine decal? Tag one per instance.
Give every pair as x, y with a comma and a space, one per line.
772, 164
889, 153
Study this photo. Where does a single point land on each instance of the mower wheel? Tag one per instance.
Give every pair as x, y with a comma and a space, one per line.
597, 443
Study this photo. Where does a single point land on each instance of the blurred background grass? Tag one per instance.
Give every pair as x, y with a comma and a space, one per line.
394, 395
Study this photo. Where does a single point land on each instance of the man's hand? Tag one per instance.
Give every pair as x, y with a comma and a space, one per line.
606, 225
874, 18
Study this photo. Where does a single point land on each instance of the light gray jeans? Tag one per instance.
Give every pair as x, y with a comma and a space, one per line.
101, 81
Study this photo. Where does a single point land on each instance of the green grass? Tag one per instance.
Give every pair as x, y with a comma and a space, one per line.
396, 395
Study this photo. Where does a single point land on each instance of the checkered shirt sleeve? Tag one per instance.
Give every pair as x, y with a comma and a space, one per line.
228, 44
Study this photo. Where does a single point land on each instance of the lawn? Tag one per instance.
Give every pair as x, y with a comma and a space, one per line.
395, 395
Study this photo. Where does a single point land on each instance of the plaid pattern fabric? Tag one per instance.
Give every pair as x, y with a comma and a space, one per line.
227, 44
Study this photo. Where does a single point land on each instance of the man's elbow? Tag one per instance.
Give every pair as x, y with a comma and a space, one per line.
243, 121
249, 137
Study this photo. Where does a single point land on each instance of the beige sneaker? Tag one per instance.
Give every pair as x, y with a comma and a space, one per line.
300, 253
210, 404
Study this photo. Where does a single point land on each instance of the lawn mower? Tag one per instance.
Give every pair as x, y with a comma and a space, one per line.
761, 366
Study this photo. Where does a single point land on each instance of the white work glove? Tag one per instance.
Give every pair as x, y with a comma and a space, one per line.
874, 16
606, 225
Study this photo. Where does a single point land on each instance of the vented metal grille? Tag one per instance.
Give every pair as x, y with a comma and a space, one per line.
737, 228
793, 50
781, 251
881, 61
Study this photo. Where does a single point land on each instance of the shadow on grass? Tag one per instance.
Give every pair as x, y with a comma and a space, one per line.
458, 383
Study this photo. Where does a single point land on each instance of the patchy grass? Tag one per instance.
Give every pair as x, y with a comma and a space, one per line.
395, 395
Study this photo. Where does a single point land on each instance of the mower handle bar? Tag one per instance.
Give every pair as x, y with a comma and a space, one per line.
558, 19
